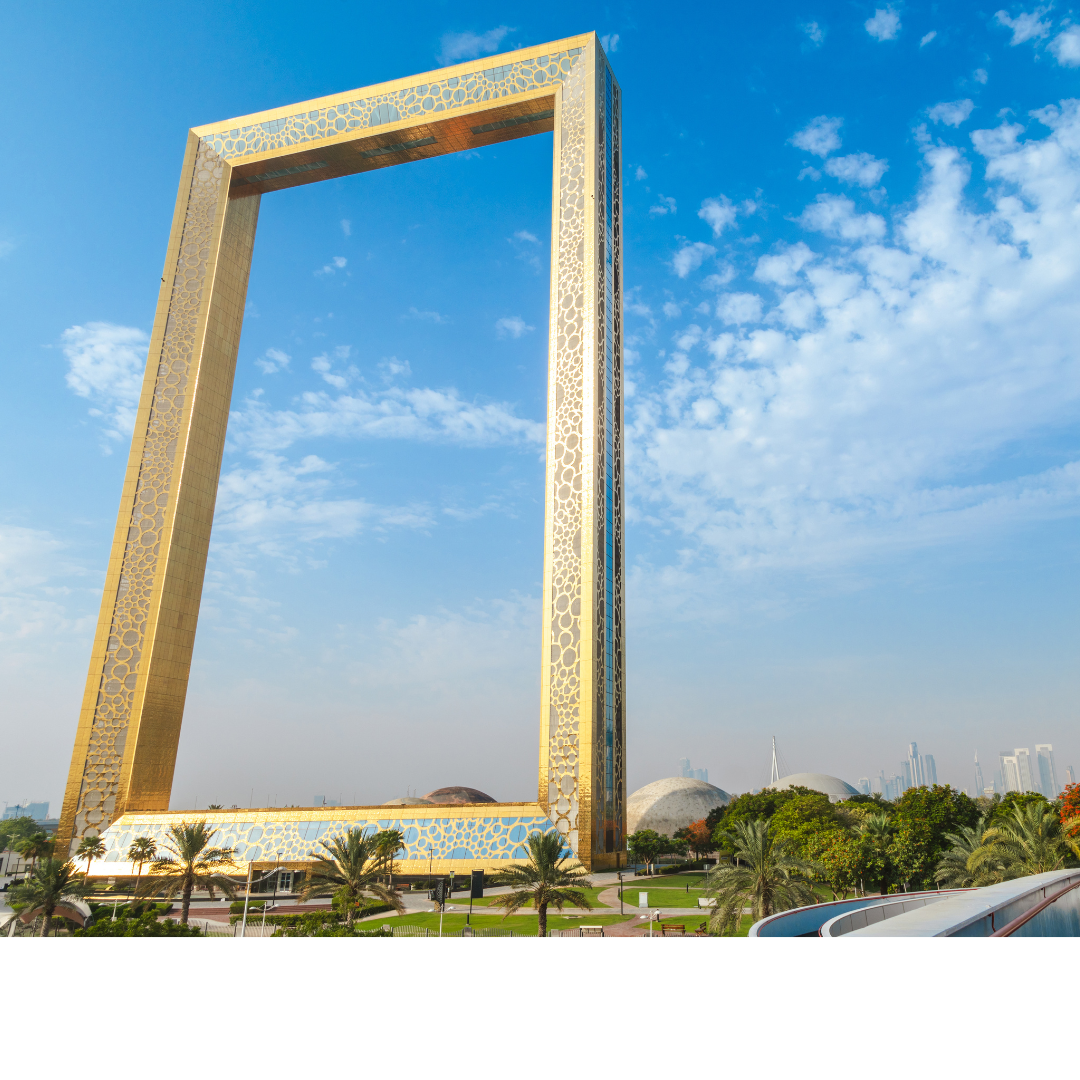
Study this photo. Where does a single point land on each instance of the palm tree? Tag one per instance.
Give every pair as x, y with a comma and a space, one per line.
349, 872
51, 882
142, 850
191, 864
387, 844
90, 848
546, 879
956, 868
1030, 839
35, 846
768, 876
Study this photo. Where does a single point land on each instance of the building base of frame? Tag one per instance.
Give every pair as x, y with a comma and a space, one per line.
437, 839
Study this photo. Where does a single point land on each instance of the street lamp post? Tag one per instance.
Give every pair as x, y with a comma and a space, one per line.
620, 893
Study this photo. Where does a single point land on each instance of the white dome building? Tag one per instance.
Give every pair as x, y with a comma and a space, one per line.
832, 786
666, 806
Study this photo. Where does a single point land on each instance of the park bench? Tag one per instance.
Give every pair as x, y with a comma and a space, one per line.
675, 928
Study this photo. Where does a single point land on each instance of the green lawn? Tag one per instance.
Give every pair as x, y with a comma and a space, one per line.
592, 894
454, 921
662, 898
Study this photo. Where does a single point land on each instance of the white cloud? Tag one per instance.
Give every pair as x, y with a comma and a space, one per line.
820, 136
671, 310
427, 316
610, 43
739, 308
467, 45
640, 174
1026, 25
395, 412
338, 262
719, 213
981, 75
665, 205
862, 169
690, 256
814, 33
275, 503
927, 38
953, 113
513, 326
272, 360
835, 216
809, 173
1066, 47
106, 364
878, 406
526, 237
782, 269
346, 226
883, 25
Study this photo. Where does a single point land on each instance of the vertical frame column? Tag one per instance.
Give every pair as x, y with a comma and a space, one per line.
129, 725
581, 741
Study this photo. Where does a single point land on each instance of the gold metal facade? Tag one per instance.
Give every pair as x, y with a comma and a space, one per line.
129, 726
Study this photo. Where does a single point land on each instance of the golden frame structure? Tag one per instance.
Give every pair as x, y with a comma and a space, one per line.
129, 726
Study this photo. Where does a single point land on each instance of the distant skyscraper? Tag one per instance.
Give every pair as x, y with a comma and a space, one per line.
929, 770
1048, 784
1024, 770
701, 774
39, 811
863, 784
879, 782
1010, 772
1070, 776
915, 761
905, 776
980, 785
684, 768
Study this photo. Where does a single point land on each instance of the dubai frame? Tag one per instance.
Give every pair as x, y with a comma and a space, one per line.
121, 772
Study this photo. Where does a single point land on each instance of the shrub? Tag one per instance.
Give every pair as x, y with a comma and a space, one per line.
145, 925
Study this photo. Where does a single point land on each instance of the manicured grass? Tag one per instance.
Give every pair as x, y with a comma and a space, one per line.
663, 898
454, 921
592, 894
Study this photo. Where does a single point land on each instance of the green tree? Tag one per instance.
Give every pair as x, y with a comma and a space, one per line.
768, 876
141, 851
1004, 805
189, 865
348, 871
924, 817
547, 879
875, 836
959, 868
1030, 840
12, 830
644, 846
806, 820
90, 848
145, 925
51, 882
36, 846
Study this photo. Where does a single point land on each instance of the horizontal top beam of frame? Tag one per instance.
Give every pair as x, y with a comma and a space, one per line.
440, 112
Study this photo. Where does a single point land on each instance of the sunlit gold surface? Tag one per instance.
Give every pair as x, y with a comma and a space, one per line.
129, 726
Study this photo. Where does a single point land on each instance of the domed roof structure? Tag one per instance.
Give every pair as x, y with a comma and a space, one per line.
832, 786
448, 796
408, 800
666, 806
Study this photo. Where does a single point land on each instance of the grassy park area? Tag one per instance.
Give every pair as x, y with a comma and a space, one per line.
525, 924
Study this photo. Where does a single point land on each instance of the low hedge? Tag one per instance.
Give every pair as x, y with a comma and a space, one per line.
145, 925
311, 918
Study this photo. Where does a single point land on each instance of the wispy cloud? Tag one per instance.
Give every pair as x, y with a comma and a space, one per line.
469, 45
865, 170
821, 136
927, 38
427, 316
815, 34
884, 24
665, 204
338, 262
952, 113
690, 256
610, 43
1026, 25
273, 360
106, 364
719, 213
512, 326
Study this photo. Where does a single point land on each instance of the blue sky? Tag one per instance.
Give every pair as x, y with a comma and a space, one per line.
852, 264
